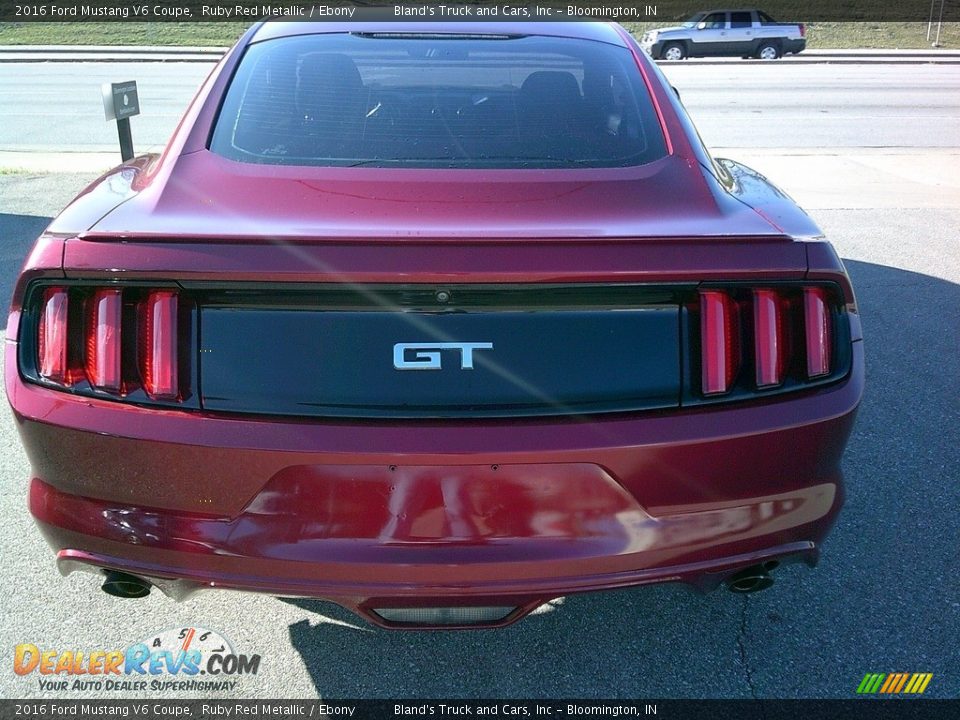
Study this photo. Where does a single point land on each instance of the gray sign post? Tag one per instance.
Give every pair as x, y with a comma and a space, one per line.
120, 103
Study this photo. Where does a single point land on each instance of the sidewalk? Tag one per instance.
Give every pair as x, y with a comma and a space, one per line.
817, 178
26, 162
157, 53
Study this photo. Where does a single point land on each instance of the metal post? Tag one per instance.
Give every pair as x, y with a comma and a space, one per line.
120, 103
126, 139
930, 20
936, 43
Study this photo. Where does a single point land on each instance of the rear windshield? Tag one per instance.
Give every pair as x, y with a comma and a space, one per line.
397, 100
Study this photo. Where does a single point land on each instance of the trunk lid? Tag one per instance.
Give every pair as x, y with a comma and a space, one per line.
471, 352
204, 196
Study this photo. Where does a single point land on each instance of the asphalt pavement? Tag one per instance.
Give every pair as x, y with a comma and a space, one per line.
873, 154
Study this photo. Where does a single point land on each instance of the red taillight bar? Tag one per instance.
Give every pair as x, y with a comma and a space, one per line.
52, 337
818, 330
96, 337
159, 347
718, 343
103, 339
767, 338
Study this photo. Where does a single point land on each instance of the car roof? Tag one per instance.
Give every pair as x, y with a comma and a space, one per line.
599, 31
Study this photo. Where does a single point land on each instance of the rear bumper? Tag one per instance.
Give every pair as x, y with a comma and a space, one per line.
373, 514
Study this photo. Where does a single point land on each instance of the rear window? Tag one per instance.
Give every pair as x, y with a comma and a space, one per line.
400, 100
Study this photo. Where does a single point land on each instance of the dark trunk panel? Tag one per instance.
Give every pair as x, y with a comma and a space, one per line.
294, 360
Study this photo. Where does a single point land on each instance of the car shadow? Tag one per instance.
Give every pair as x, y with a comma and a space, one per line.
18, 233
814, 634
568, 648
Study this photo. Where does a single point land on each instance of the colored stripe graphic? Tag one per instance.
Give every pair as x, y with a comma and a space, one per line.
923, 679
894, 683
862, 687
871, 683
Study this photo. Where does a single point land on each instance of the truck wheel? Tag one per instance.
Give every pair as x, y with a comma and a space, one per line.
673, 51
768, 51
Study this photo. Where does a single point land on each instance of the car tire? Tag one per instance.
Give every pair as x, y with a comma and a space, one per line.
673, 51
768, 51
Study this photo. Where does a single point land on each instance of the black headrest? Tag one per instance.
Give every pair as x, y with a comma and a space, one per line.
327, 82
555, 85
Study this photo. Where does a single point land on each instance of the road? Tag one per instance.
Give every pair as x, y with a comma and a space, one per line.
822, 106
57, 107
884, 597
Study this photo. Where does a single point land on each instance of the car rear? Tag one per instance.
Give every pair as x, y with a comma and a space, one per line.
441, 366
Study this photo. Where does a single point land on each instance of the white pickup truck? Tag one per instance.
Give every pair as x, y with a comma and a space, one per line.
744, 33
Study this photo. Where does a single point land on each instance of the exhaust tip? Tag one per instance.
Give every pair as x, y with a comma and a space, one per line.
752, 579
122, 585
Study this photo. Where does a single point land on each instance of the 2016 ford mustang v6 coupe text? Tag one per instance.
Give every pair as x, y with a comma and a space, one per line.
438, 322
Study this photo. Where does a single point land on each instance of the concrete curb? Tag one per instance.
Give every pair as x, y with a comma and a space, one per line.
109, 53
118, 49
159, 53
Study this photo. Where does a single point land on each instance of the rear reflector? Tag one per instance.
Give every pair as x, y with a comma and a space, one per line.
768, 338
103, 339
817, 326
158, 345
52, 336
444, 616
719, 341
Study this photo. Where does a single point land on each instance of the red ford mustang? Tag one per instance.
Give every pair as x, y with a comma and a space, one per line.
438, 322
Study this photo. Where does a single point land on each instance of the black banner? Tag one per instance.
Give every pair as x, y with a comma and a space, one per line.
20, 11
865, 709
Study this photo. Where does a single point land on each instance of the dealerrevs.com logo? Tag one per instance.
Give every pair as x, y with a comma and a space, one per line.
181, 659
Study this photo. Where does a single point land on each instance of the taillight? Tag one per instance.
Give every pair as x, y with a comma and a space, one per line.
719, 341
818, 331
103, 339
52, 341
158, 346
768, 343
803, 30
789, 334
111, 342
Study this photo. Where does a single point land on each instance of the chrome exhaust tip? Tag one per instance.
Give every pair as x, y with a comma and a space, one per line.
122, 585
752, 579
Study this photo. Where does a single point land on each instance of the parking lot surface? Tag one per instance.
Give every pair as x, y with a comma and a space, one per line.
873, 154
